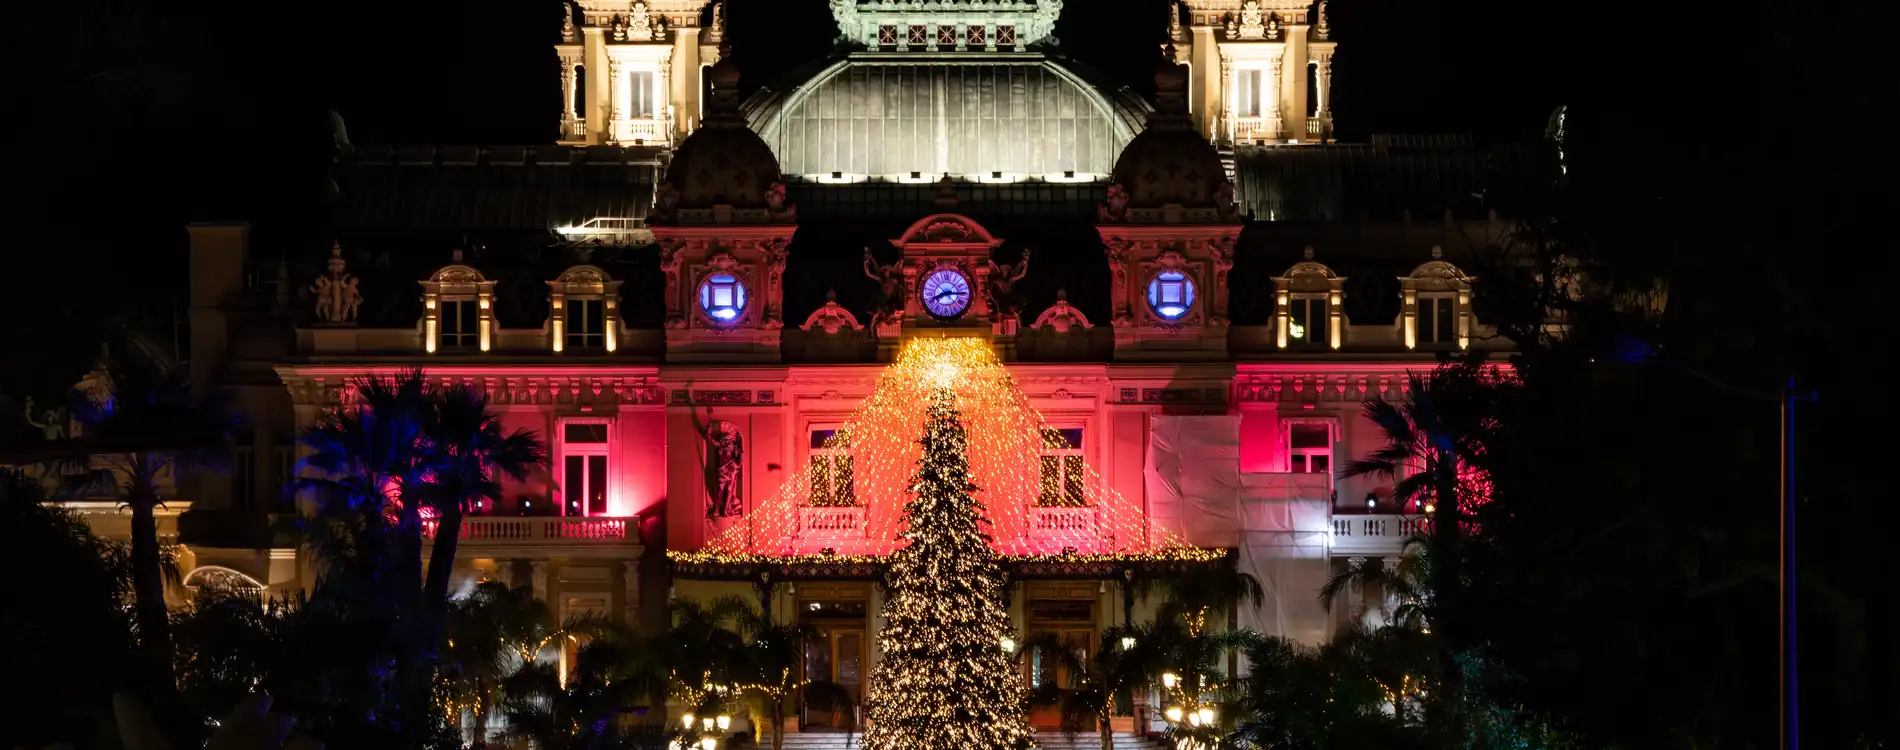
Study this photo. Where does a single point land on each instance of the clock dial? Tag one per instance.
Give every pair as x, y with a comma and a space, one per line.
946, 293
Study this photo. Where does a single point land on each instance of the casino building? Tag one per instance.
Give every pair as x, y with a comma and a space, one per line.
704, 302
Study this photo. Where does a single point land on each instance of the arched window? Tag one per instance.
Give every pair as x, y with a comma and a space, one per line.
1310, 300
1436, 300
1171, 295
584, 315
722, 296
457, 314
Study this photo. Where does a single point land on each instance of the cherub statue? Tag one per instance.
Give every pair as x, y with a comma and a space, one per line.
890, 292
337, 295
1004, 302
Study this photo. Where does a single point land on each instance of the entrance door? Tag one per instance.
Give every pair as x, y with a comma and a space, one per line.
837, 655
1070, 622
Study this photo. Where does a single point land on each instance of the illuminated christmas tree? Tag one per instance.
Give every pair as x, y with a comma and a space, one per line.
945, 682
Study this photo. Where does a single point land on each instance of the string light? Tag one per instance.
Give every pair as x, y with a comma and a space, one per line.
873, 456
1173, 555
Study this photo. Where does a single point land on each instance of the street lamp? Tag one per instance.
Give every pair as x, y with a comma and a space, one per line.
724, 722
687, 720
1173, 713
1009, 645
1128, 643
1629, 349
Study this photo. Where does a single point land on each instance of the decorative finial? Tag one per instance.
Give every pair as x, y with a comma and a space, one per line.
1307, 253
455, 256
1062, 294
567, 22
1324, 28
336, 292
717, 33
723, 78
1171, 80
1174, 20
831, 295
947, 198
1437, 252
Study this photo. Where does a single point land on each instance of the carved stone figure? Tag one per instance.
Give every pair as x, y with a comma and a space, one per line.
1004, 301
1323, 29
725, 471
779, 204
337, 295
52, 422
1252, 23
619, 29
889, 303
1224, 201
567, 22
717, 32
640, 21
1115, 206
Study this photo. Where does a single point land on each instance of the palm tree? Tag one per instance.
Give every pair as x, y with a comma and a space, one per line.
699, 649
771, 670
1193, 595
1432, 437
488, 633
141, 426
466, 449
608, 678
1335, 696
1099, 684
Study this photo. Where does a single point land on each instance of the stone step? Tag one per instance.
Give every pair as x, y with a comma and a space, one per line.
1048, 740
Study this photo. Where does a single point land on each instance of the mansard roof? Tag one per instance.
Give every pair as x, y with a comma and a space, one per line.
493, 188
1388, 178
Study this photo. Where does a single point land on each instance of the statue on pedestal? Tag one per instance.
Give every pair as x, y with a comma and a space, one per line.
337, 295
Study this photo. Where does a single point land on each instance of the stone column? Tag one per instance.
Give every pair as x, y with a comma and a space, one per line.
1272, 112
1206, 98
630, 592
682, 84
1225, 129
1293, 85
594, 110
1323, 88
567, 97
539, 579
664, 109
616, 100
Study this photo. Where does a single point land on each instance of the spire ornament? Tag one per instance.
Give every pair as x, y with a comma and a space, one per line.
1324, 28
336, 291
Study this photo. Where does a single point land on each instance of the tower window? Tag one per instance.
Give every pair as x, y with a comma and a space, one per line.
919, 34
722, 297
946, 35
831, 472
586, 324
1062, 470
974, 35
1006, 35
1247, 92
461, 324
1171, 295
887, 35
642, 102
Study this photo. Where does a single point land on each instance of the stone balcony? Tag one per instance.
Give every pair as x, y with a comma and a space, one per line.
532, 536
1375, 535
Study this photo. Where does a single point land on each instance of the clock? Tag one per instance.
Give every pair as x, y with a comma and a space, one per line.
946, 293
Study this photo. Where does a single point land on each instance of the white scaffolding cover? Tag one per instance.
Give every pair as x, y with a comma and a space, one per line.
1278, 523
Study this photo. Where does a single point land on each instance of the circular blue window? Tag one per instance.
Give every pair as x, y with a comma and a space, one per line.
1171, 295
722, 297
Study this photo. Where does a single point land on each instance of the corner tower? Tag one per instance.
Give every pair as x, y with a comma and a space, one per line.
1250, 62
630, 72
1170, 225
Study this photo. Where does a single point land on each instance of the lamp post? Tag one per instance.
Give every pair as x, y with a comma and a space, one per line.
1634, 350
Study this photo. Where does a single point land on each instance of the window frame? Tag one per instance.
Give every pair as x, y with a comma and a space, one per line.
1070, 464
702, 298
1247, 98
828, 457
1318, 334
1427, 336
458, 340
1299, 460
582, 450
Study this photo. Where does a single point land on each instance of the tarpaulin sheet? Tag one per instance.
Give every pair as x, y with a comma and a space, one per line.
1193, 478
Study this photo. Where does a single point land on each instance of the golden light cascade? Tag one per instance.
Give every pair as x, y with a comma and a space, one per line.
881, 439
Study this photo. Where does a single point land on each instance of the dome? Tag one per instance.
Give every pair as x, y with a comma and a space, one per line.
722, 164
893, 115
1169, 164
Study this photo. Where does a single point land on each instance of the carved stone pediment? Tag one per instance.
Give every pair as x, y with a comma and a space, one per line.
832, 318
1062, 318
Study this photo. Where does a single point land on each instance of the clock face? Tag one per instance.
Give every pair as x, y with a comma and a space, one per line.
946, 293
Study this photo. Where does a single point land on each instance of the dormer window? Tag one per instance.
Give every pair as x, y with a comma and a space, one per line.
1309, 301
1436, 299
457, 310
583, 311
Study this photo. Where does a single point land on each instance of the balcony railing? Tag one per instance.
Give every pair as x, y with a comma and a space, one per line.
1252, 129
1375, 534
650, 130
1316, 127
1064, 522
545, 530
830, 522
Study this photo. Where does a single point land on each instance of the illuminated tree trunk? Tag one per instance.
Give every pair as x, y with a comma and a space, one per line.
945, 682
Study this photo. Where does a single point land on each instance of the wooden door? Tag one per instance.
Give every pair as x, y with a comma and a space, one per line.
836, 655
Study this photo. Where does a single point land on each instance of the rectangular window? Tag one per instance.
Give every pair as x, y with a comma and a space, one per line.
1005, 35
641, 102
584, 468
283, 473
1062, 470
460, 324
919, 34
1310, 447
973, 35
243, 477
1247, 93
1437, 320
946, 35
1306, 322
887, 35
832, 469
586, 324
